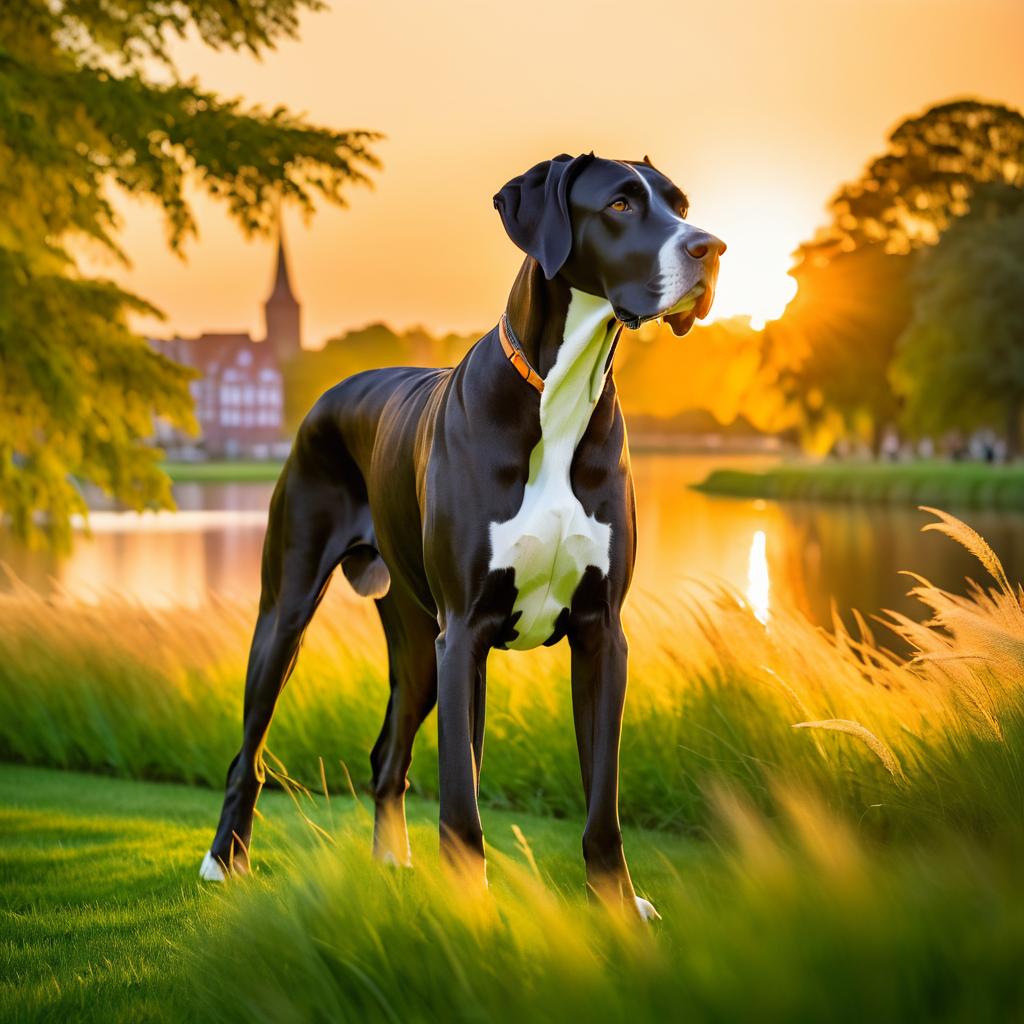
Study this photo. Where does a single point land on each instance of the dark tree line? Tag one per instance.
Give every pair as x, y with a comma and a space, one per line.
907, 314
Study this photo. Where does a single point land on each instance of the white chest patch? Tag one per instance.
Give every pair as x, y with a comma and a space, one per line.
551, 540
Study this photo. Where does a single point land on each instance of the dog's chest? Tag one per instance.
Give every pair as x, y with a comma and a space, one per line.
551, 540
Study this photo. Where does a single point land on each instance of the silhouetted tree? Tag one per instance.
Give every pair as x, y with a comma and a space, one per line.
828, 357
90, 100
660, 376
961, 359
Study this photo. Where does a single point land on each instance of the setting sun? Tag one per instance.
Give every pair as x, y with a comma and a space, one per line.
754, 279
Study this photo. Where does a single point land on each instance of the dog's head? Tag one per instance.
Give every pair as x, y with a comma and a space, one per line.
617, 229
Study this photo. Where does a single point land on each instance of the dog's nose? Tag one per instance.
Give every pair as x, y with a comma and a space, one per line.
701, 245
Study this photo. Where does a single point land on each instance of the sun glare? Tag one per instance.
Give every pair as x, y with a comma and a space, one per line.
754, 279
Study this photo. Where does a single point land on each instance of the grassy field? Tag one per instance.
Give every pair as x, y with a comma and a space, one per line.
226, 472
88, 865
98, 891
102, 919
714, 694
942, 484
830, 831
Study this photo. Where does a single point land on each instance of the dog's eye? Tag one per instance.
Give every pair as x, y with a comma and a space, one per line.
618, 205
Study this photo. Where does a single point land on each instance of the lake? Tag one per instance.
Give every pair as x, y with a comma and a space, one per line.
806, 554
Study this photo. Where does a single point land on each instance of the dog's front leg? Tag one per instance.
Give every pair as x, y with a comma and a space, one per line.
599, 655
461, 657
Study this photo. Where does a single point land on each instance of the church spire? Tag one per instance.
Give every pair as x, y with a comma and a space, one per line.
282, 311
282, 288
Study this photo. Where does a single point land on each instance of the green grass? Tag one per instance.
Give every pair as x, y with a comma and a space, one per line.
796, 919
225, 472
100, 904
714, 697
938, 484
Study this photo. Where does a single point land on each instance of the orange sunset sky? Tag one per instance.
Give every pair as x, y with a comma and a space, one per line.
757, 110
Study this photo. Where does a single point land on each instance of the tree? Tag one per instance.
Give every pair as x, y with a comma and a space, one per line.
961, 360
827, 364
661, 376
830, 353
82, 113
310, 373
934, 162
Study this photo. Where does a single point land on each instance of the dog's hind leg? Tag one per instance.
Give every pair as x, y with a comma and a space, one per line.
311, 524
412, 670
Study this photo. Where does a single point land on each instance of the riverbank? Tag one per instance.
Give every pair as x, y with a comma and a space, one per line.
939, 484
228, 471
224, 472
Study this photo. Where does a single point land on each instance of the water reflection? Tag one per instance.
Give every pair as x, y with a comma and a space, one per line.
758, 577
803, 554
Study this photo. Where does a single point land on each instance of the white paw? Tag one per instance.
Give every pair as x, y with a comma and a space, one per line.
646, 910
393, 862
210, 870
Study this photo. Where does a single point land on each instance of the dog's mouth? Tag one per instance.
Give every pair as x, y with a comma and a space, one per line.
694, 305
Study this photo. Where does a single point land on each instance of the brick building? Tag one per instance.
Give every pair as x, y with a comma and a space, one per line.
239, 399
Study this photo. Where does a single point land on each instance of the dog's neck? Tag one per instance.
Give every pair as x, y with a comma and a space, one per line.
549, 543
547, 315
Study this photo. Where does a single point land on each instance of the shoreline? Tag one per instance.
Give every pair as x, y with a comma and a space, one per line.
943, 484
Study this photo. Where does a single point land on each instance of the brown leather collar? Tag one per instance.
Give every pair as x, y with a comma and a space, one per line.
516, 356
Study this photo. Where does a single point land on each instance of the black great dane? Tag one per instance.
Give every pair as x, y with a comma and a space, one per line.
489, 505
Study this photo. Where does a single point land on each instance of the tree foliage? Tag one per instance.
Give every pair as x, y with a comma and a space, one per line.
827, 364
961, 360
660, 376
310, 373
827, 360
90, 102
926, 177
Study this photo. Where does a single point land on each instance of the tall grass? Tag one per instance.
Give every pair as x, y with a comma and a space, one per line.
792, 920
897, 746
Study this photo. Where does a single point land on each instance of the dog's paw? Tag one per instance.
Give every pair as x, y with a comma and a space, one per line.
391, 861
210, 870
646, 910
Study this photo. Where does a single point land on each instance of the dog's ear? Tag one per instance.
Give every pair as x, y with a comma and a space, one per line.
535, 210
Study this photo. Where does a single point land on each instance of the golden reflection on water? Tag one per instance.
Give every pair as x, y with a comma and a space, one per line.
759, 582
773, 555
